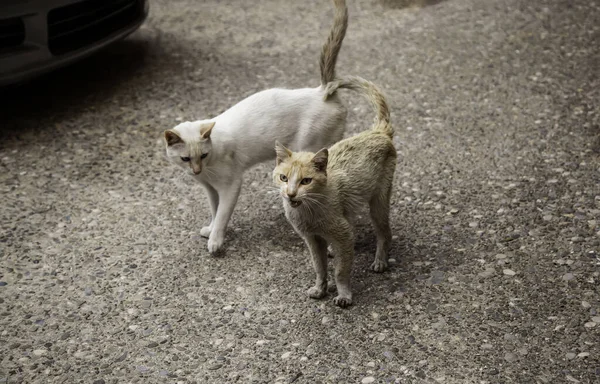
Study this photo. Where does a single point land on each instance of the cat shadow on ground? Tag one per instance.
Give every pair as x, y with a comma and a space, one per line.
416, 258
399, 4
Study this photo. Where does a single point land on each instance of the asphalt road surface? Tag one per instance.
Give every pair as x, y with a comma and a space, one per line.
496, 205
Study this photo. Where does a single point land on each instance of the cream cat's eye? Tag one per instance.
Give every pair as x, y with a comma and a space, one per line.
186, 159
306, 181
204, 155
283, 178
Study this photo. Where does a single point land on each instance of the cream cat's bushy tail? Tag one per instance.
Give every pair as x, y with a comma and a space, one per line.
332, 46
373, 94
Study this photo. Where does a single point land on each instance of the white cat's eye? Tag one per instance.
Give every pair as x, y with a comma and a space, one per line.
186, 159
204, 155
283, 178
306, 181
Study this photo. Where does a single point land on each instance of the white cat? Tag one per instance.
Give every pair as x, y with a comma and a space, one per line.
218, 151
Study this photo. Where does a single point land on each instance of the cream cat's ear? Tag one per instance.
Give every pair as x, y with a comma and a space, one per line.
206, 129
171, 137
282, 152
320, 160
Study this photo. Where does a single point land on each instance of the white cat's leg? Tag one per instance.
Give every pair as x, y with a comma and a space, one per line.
228, 197
318, 253
213, 202
340, 126
343, 247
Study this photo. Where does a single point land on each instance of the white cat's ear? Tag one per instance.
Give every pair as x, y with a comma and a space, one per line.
206, 129
320, 160
172, 138
282, 152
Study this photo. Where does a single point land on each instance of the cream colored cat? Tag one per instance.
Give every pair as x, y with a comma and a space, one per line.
321, 192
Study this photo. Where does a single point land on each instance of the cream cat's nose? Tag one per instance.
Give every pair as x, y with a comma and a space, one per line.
291, 195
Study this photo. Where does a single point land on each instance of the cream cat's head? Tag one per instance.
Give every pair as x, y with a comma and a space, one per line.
300, 176
189, 144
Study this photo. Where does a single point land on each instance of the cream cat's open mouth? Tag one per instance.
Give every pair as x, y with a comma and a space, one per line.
295, 203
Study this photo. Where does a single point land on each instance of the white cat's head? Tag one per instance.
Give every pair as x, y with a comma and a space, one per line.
189, 144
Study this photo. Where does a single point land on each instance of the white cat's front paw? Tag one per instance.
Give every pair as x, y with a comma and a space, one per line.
205, 231
215, 242
316, 292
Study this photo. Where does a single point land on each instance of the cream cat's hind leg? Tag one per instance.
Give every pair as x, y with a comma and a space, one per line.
213, 202
380, 216
318, 253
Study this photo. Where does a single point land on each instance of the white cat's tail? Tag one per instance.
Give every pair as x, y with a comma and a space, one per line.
332, 46
373, 94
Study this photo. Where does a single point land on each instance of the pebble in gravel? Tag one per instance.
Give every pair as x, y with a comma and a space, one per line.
510, 357
437, 277
367, 380
121, 358
509, 272
489, 272
568, 276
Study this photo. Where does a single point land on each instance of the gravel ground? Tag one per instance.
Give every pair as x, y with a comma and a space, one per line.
495, 272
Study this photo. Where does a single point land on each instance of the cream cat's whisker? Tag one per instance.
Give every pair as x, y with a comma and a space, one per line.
308, 208
317, 198
319, 204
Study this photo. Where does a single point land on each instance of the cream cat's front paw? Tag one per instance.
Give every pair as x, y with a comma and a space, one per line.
215, 242
379, 265
343, 301
316, 292
205, 231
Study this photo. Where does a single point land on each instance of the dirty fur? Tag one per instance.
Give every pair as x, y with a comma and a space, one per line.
322, 190
218, 151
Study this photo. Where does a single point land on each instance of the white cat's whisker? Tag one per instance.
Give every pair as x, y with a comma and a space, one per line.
210, 172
